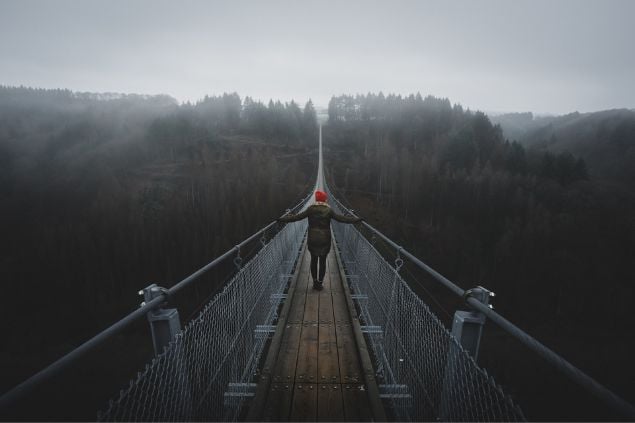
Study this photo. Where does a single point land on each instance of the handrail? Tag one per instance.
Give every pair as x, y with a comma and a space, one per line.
587, 382
24, 388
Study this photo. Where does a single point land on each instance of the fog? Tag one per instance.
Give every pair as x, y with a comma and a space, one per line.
501, 56
103, 194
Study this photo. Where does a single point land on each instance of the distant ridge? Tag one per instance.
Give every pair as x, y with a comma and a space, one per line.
604, 139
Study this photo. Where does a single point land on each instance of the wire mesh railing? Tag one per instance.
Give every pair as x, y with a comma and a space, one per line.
206, 372
424, 373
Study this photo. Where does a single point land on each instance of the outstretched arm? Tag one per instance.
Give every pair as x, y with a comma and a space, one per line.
294, 217
345, 219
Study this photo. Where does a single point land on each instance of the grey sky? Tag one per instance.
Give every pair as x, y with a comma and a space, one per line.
543, 56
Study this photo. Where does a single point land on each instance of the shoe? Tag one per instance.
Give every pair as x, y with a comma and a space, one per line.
319, 286
316, 284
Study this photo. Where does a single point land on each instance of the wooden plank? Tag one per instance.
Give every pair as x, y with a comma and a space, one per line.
296, 312
279, 401
306, 371
330, 404
319, 339
274, 395
328, 355
356, 403
328, 361
375, 406
278, 404
305, 400
350, 369
285, 368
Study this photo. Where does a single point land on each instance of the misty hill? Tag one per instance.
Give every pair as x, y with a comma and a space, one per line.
516, 125
101, 195
605, 140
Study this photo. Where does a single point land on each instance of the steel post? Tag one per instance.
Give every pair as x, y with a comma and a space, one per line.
164, 323
467, 328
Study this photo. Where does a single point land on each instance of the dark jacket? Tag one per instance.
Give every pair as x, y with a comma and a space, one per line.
320, 215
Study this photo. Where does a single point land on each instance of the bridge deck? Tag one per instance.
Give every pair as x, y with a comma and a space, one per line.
313, 370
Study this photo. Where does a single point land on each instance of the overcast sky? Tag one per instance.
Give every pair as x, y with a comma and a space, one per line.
549, 56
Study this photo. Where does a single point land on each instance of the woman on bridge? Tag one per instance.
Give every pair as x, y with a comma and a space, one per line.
319, 241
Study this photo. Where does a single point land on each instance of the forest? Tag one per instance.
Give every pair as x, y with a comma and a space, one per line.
543, 219
103, 194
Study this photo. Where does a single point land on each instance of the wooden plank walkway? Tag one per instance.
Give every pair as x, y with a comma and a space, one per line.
313, 370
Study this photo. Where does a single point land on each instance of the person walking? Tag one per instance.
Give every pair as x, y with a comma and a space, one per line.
319, 240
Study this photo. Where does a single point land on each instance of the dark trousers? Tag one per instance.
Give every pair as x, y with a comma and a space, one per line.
314, 267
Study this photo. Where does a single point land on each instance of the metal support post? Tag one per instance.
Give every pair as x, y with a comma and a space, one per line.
467, 328
164, 323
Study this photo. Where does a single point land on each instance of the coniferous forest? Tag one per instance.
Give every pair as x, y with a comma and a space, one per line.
543, 217
103, 194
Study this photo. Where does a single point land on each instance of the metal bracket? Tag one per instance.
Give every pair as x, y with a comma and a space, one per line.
372, 329
264, 331
238, 260
397, 394
398, 260
237, 392
152, 291
359, 297
482, 294
393, 391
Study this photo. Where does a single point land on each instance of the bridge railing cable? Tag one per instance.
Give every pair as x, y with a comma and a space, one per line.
373, 274
276, 257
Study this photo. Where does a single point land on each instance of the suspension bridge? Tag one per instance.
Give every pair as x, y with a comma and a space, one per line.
268, 347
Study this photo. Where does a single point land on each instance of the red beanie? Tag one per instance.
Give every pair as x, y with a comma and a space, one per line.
320, 196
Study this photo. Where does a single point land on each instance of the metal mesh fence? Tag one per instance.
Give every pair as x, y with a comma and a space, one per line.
424, 373
206, 372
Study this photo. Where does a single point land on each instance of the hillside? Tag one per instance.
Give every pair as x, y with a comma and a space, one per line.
605, 140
